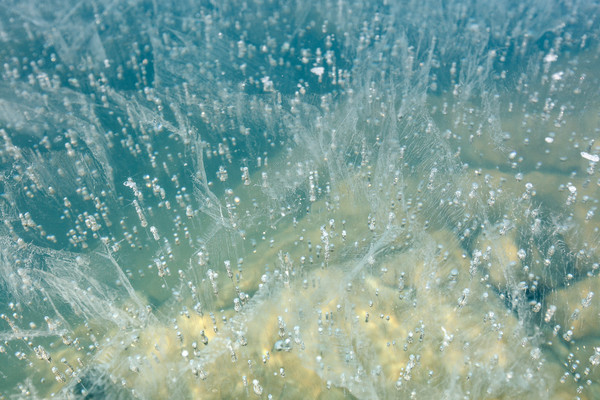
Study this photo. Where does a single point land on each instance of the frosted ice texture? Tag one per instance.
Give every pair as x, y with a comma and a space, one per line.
299, 200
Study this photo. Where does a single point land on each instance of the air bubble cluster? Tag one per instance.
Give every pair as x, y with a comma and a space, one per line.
279, 199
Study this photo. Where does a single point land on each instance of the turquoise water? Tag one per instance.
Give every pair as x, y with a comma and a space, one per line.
288, 200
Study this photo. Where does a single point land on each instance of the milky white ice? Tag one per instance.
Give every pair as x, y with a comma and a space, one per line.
278, 199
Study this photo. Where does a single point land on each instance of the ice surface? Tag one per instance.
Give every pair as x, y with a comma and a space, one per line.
299, 200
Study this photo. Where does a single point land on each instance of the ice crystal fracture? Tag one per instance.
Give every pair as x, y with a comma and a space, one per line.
323, 199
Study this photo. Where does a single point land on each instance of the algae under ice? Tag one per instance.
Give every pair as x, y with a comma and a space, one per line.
278, 199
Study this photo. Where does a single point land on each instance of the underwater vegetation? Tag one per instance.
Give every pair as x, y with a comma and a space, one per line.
279, 199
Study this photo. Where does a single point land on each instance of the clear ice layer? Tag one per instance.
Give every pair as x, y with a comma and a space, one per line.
281, 200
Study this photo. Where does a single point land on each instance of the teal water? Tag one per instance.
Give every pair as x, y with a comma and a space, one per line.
289, 200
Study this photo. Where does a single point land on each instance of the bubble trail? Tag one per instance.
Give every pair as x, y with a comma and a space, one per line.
275, 199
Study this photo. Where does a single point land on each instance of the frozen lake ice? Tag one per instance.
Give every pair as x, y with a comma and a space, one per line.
285, 200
